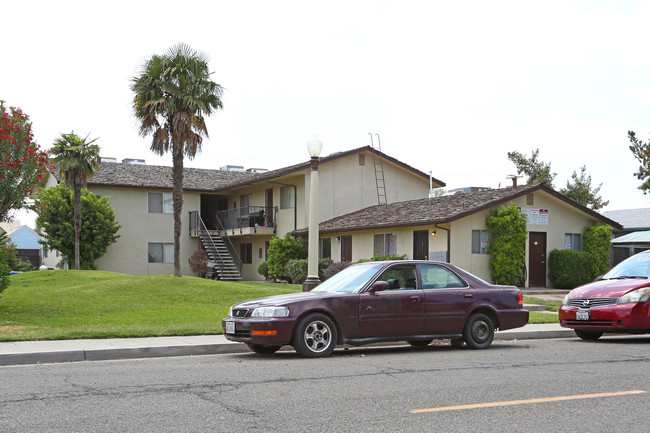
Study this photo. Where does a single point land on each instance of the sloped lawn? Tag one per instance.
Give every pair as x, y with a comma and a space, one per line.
51, 305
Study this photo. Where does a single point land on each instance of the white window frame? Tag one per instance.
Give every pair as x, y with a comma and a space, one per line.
480, 241
166, 202
573, 241
385, 244
166, 252
287, 197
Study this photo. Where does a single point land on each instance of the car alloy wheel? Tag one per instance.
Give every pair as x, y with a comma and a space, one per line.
479, 331
315, 336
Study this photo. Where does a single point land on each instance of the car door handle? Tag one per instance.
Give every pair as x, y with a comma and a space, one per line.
415, 299
468, 296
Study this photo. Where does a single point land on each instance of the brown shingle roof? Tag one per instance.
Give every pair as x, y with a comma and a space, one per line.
436, 210
196, 179
160, 177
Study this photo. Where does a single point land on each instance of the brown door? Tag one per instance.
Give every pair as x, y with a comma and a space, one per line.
421, 245
346, 248
537, 259
268, 202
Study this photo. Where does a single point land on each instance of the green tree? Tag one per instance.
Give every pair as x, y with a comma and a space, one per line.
23, 166
641, 152
536, 171
172, 95
580, 190
507, 249
77, 158
55, 209
281, 251
4, 262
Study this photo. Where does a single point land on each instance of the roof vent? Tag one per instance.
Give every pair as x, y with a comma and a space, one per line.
107, 159
133, 161
257, 170
232, 168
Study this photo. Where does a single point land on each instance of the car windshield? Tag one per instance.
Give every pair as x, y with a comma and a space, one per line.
350, 279
637, 266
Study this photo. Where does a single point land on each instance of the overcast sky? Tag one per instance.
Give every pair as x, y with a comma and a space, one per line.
450, 87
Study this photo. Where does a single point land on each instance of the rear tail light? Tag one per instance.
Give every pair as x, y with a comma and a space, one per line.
520, 299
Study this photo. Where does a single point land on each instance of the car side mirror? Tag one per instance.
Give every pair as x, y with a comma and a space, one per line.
378, 286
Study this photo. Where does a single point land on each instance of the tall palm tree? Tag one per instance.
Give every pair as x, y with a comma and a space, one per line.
172, 94
77, 158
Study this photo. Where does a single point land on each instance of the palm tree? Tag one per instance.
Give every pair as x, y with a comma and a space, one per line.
77, 158
172, 94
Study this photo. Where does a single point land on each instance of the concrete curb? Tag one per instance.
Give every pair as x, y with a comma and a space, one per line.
22, 353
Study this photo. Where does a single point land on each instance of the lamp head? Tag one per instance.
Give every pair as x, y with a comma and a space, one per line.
314, 146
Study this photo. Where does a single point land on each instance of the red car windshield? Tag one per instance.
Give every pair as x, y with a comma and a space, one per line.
637, 266
350, 279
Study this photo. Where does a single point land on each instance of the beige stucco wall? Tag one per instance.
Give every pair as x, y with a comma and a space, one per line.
129, 254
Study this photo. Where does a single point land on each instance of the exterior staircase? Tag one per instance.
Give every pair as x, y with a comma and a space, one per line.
221, 252
225, 267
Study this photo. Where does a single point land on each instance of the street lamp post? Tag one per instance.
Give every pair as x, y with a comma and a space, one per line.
314, 147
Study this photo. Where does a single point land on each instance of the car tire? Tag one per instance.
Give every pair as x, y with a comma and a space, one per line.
263, 350
419, 343
479, 331
315, 336
588, 335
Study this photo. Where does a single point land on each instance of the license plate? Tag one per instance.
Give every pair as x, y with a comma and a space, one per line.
230, 327
582, 315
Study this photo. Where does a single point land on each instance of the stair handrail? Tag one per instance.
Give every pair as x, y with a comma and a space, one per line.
196, 223
231, 248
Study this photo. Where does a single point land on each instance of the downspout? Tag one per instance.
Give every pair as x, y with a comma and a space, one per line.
448, 230
295, 206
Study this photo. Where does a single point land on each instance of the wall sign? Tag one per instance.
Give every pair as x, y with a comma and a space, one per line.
536, 216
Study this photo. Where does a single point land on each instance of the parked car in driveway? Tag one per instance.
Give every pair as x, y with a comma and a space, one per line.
413, 301
619, 301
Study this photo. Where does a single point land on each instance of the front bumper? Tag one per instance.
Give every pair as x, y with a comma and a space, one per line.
265, 331
634, 317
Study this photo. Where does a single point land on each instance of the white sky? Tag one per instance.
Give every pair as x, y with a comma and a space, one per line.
449, 86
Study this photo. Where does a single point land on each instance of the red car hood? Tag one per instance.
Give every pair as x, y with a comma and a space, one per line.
609, 288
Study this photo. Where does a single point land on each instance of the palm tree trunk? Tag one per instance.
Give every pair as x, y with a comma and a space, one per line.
77, 223
177, 196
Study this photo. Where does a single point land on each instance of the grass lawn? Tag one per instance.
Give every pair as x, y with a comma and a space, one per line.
53, 305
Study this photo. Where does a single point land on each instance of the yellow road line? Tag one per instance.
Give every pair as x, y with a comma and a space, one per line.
530, 401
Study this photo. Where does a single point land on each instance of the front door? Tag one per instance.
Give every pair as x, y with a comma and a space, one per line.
421, 245
346, 248
396, 312
537, 259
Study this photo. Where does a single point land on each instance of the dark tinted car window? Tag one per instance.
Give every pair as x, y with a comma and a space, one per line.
439, 277
400, 277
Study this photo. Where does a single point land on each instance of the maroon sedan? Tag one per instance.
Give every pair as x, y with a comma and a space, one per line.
618, 302
414, 301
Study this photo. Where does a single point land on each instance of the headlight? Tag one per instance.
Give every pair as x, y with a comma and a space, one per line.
270, 312
565, 300
638, 295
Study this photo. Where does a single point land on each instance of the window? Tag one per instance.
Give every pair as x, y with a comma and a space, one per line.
246, 253
439, 277
45, 253
385, 244
400, 277
325, 248
480, 241
244, 202
573, 241
287, 197
161, 202
161, 252
362, 159
530, 199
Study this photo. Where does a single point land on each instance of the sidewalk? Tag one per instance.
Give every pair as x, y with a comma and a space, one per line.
36, 352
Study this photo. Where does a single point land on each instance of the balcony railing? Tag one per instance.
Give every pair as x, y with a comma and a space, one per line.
248, 217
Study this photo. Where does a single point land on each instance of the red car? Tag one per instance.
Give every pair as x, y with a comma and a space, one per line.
619, 301
414, 301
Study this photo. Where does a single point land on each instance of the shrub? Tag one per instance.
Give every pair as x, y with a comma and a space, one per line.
199, 263
597, 243
263, 270
297, 270
334, 269
507, 248
569, 269
378, 258
4, 262
281, 250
